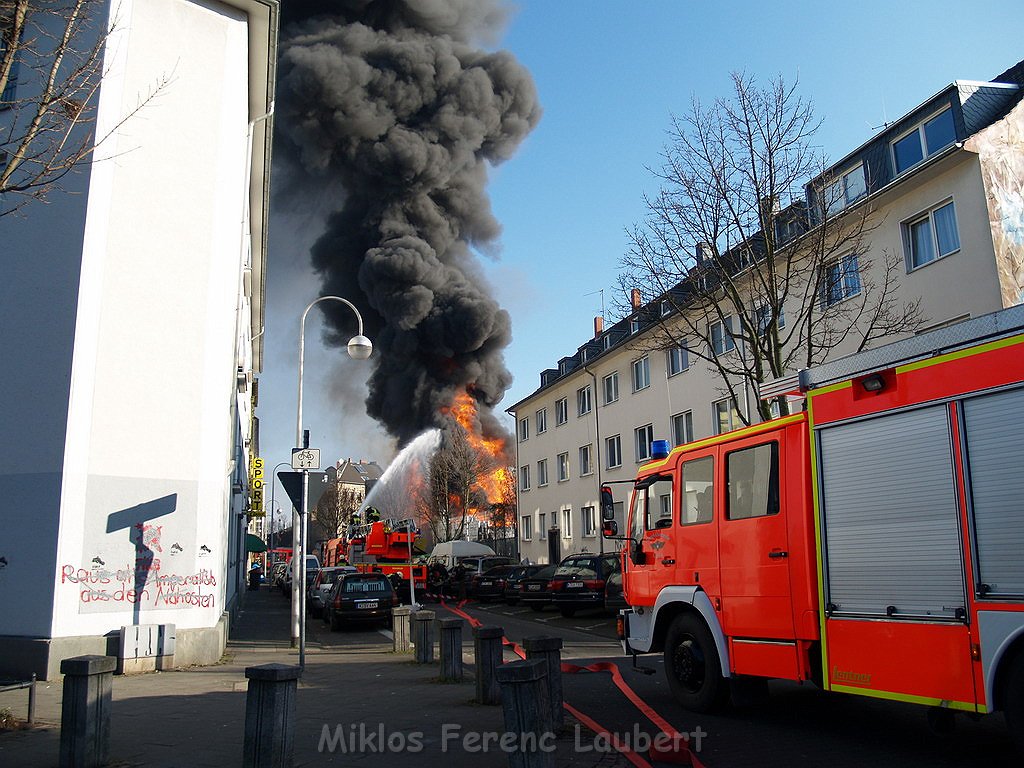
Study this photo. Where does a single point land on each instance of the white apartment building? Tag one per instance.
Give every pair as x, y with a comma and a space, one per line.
943, 185
131, 313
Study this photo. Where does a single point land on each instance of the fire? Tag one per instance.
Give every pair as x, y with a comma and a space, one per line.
493, 483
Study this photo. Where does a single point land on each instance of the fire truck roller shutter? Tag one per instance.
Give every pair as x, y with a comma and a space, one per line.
892, 537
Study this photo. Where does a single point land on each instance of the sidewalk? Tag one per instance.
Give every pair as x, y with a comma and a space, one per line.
378, 708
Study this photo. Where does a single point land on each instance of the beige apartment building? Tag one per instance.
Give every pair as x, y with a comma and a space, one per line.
941, 186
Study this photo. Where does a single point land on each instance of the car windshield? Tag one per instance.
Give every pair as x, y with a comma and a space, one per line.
366, 584
578, 566
329, 577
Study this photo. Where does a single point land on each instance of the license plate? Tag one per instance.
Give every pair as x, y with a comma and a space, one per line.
367, 604
533, 587
574, 585
486, 583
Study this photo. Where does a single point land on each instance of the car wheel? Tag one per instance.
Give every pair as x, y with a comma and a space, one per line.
567, 612
692, 665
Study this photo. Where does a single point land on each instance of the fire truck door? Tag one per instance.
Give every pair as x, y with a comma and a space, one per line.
753, 543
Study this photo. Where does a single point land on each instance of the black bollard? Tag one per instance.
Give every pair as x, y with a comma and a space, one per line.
524, 699
422, 636
488, 657
270, 716
401, 629
550, 650
451, 650
85, 711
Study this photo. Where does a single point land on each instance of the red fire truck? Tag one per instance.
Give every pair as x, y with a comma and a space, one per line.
872, 543
384, 546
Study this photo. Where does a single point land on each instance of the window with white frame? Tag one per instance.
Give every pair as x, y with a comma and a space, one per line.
666, 307
541, 421
6, 36
682, 428
726, 415
524, 430
840, 280
763, 319
720, 335
526, 528
634, 325
606, 342
542, 526
613, 451
643, 437
567, 523
563, 467
588, 517
586, 460
542, 473
583, 401
610, 385
641, 373
678, 359
931, 235
561, 411
524, 478
845, 190
923, 141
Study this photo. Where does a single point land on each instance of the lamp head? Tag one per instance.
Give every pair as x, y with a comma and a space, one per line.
359, 347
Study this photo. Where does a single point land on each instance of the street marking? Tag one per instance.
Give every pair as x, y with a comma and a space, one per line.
549, 618
590, 626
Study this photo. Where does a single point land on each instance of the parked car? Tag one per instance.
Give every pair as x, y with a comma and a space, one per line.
493, 583
468, 568
277, 574
321, 587
312, 567
535, 590
580, 581
360, 597
614, 597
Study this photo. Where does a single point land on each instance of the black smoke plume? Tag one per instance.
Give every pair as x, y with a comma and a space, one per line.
394, 109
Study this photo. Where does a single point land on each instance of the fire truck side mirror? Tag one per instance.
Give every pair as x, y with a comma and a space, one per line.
607, 505
610, 529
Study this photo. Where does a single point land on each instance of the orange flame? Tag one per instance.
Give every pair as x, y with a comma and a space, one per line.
493, 483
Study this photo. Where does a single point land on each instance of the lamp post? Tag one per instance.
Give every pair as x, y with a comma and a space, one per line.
273, 492
359, 348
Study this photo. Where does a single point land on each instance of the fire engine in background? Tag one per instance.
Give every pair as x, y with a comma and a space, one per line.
872, 543
382, 546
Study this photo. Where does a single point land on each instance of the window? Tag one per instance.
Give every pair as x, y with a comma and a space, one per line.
542, 526
726, 415
840, 280
678, 359
6, 32
641, 373
666, 307
698, 477
567, 523
542, 421
644, 436
845, 190
542, 472
526, 528
583, 401
923, 141
763, 319
524, 478
682, 428
720, 333
634, 325
611, 387
561, 411
752, 475
931, 236
652, 507
563, 467
589, 519
524, 430
613, 451
586, 460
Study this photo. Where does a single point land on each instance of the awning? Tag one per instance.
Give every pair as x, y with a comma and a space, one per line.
254, 543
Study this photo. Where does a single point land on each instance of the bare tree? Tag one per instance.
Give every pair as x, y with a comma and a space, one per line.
335, 507
722, 266
51, 67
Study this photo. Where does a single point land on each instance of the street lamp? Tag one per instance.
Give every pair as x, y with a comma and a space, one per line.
273, 492
359, 348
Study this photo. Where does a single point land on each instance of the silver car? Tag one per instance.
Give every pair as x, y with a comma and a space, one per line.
321, 587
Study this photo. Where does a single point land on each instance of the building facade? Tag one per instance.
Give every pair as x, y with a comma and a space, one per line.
132, 307
942, 186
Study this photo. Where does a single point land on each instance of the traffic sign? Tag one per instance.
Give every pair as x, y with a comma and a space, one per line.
292, 483
305, 458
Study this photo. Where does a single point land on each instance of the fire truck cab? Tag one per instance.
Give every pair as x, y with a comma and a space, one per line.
872, 543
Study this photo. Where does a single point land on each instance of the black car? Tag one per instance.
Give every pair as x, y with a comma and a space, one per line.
360, 597
501, 582
614, 597
580, 580
535, 590
514, 583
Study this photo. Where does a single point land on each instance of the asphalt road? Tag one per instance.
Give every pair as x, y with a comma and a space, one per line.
797, 725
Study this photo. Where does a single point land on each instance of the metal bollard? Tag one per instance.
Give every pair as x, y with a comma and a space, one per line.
270, 716
524, 699
422, 636
549, 649
488, 657
451, 650
85, 711
400, 629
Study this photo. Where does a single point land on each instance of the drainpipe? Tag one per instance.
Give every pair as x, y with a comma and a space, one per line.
597, 458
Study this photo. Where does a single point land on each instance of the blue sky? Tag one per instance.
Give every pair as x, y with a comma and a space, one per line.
609, 74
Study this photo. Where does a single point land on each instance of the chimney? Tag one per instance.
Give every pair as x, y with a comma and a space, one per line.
635, 299
598, 326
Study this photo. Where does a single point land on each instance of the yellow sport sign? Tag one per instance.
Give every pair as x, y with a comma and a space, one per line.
256, 488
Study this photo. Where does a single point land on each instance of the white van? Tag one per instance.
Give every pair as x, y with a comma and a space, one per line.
450, 553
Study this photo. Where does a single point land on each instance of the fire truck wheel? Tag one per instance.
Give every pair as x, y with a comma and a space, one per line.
692, 665
1014, 701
